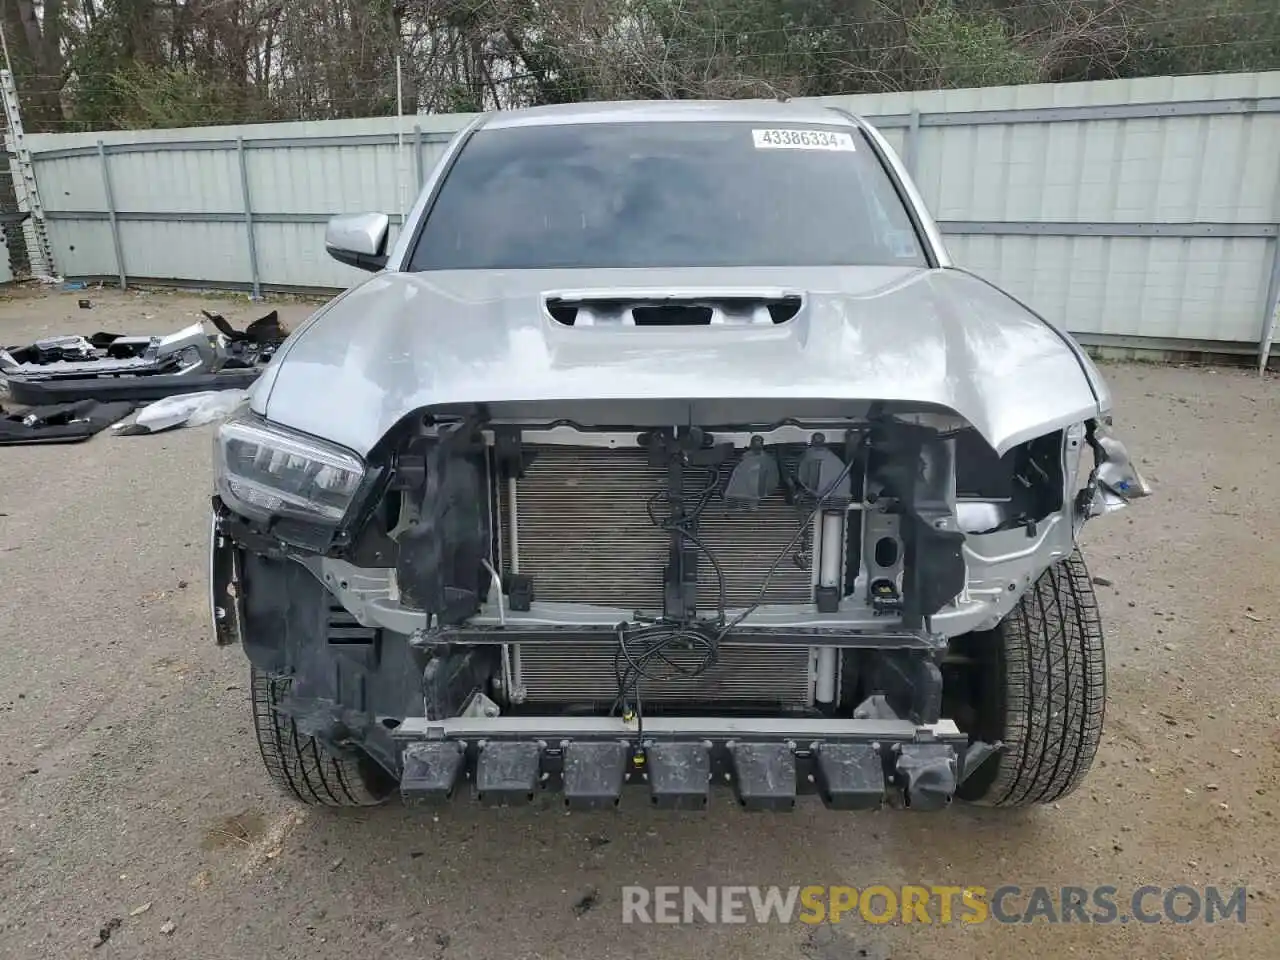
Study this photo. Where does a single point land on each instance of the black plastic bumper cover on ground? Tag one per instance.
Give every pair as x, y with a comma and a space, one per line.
60, 422
141, 389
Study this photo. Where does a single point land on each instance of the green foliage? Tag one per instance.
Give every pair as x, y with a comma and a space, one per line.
94, 64
166, 96
968, 49
459, 98
1225, 35
96, 102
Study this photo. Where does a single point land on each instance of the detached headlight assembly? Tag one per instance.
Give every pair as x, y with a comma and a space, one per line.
264, 471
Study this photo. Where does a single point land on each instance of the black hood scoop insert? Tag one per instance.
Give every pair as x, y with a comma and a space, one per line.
710, 308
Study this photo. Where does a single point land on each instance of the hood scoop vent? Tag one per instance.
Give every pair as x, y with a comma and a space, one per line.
673, 315
712, 308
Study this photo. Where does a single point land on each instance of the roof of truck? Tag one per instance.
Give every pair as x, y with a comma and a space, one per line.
641, 111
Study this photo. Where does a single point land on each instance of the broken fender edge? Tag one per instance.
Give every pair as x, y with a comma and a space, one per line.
1115, 481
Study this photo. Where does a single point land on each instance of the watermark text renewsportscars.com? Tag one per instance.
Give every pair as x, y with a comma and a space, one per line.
933, 904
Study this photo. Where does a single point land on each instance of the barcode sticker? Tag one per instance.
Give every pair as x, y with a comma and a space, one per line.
802, 140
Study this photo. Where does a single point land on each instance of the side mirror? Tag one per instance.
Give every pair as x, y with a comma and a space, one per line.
358, 240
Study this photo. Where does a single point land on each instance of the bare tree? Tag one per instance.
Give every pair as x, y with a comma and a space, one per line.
96, 63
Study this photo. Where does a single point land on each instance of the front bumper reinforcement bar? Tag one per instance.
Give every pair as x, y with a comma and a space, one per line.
849, 764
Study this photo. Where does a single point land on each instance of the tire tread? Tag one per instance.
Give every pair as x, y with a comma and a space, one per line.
298, 764
1054, 678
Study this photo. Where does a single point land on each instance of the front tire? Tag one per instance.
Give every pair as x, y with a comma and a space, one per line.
303, 767
1037, 682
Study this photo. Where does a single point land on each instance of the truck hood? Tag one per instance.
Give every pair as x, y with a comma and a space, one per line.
400, 342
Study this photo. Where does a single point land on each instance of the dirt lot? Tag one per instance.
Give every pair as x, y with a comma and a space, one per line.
129, 774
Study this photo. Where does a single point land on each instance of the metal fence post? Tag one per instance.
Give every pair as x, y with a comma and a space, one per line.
248, 218
912, 145
417, 153
111, 214
1273, 302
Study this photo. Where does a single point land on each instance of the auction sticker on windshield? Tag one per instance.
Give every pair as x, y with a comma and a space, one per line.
802, 140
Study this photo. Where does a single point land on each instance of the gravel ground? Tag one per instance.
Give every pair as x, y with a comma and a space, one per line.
129, 776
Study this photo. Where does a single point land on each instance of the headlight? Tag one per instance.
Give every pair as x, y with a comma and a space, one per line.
265, 471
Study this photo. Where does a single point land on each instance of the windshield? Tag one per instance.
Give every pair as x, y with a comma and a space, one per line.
676, 194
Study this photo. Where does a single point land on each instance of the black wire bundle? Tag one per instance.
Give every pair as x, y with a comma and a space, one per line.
639, 644
645, 648
800, 532
687, 520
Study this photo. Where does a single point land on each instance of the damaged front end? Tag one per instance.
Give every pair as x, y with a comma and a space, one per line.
763, 596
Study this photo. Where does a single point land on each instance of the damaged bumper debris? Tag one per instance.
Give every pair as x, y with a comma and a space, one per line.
1115, 481
110, 367
60, 422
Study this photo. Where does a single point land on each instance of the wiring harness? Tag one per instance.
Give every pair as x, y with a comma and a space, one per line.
665, 651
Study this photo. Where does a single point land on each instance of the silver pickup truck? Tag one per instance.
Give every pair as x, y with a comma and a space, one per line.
666, 450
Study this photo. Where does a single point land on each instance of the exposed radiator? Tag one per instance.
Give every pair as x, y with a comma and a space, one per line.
584, 534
